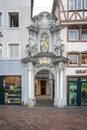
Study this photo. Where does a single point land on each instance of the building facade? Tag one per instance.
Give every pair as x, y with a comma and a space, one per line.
32, 62
72, 15
45, 55
15, 16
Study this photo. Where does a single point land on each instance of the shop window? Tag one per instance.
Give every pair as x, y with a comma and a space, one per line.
72, 93
0, 51
84, 79
13, 19
12, 89
73, 34
84, 59
0, 19
84, 34
77, 91
73, 59
14, 51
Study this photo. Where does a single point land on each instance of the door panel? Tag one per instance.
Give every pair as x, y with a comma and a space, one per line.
84, 93
43, 87
43, 90
72, 93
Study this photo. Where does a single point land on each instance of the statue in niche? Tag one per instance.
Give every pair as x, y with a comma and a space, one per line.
44, 43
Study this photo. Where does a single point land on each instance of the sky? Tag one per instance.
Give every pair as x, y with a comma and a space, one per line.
42, 5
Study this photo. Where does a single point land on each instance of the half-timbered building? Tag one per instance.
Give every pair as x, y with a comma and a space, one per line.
72, 15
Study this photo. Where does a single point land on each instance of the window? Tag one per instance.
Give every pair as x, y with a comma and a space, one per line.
77, 33
0, 19
73, 59
73, 34
84, 34
71, 4
85, 4
84, 59
79, 4
77, 59
14, 19
0, 51
12, 89
14, 51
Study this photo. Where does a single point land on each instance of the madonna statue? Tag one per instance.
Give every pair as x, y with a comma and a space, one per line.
44, 44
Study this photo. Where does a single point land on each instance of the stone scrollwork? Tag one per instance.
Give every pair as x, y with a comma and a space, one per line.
31, 50
45, 20
31, 47
59, 50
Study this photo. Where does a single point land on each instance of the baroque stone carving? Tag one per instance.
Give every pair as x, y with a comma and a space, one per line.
59, 50
45, 20
1, 35
44, 42
44, 60
31, 50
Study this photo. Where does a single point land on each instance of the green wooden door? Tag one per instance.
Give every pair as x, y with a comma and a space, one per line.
84, 93
77, 91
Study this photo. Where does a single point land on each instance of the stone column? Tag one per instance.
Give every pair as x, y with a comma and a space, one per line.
31, 96
57, 87
61, 91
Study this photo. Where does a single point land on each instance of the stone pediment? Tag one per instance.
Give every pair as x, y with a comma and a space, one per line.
45, 20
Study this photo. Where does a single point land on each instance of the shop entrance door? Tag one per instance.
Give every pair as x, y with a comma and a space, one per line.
77, 91
43, 87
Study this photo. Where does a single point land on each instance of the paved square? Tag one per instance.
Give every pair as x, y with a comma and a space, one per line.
42, 118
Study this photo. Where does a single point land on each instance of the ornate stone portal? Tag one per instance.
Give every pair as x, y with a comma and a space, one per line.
45, 52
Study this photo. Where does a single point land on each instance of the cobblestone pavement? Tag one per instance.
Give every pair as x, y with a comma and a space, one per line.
43, 118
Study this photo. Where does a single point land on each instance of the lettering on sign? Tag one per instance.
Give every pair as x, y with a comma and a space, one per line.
81, 71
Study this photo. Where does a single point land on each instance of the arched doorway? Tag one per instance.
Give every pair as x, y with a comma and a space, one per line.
44, 88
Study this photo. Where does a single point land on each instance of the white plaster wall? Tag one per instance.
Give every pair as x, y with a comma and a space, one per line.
14, 3
16, 35
24, 34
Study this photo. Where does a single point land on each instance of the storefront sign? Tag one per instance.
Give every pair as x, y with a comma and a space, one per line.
81, 71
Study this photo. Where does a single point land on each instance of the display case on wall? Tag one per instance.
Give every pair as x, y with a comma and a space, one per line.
12, 89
